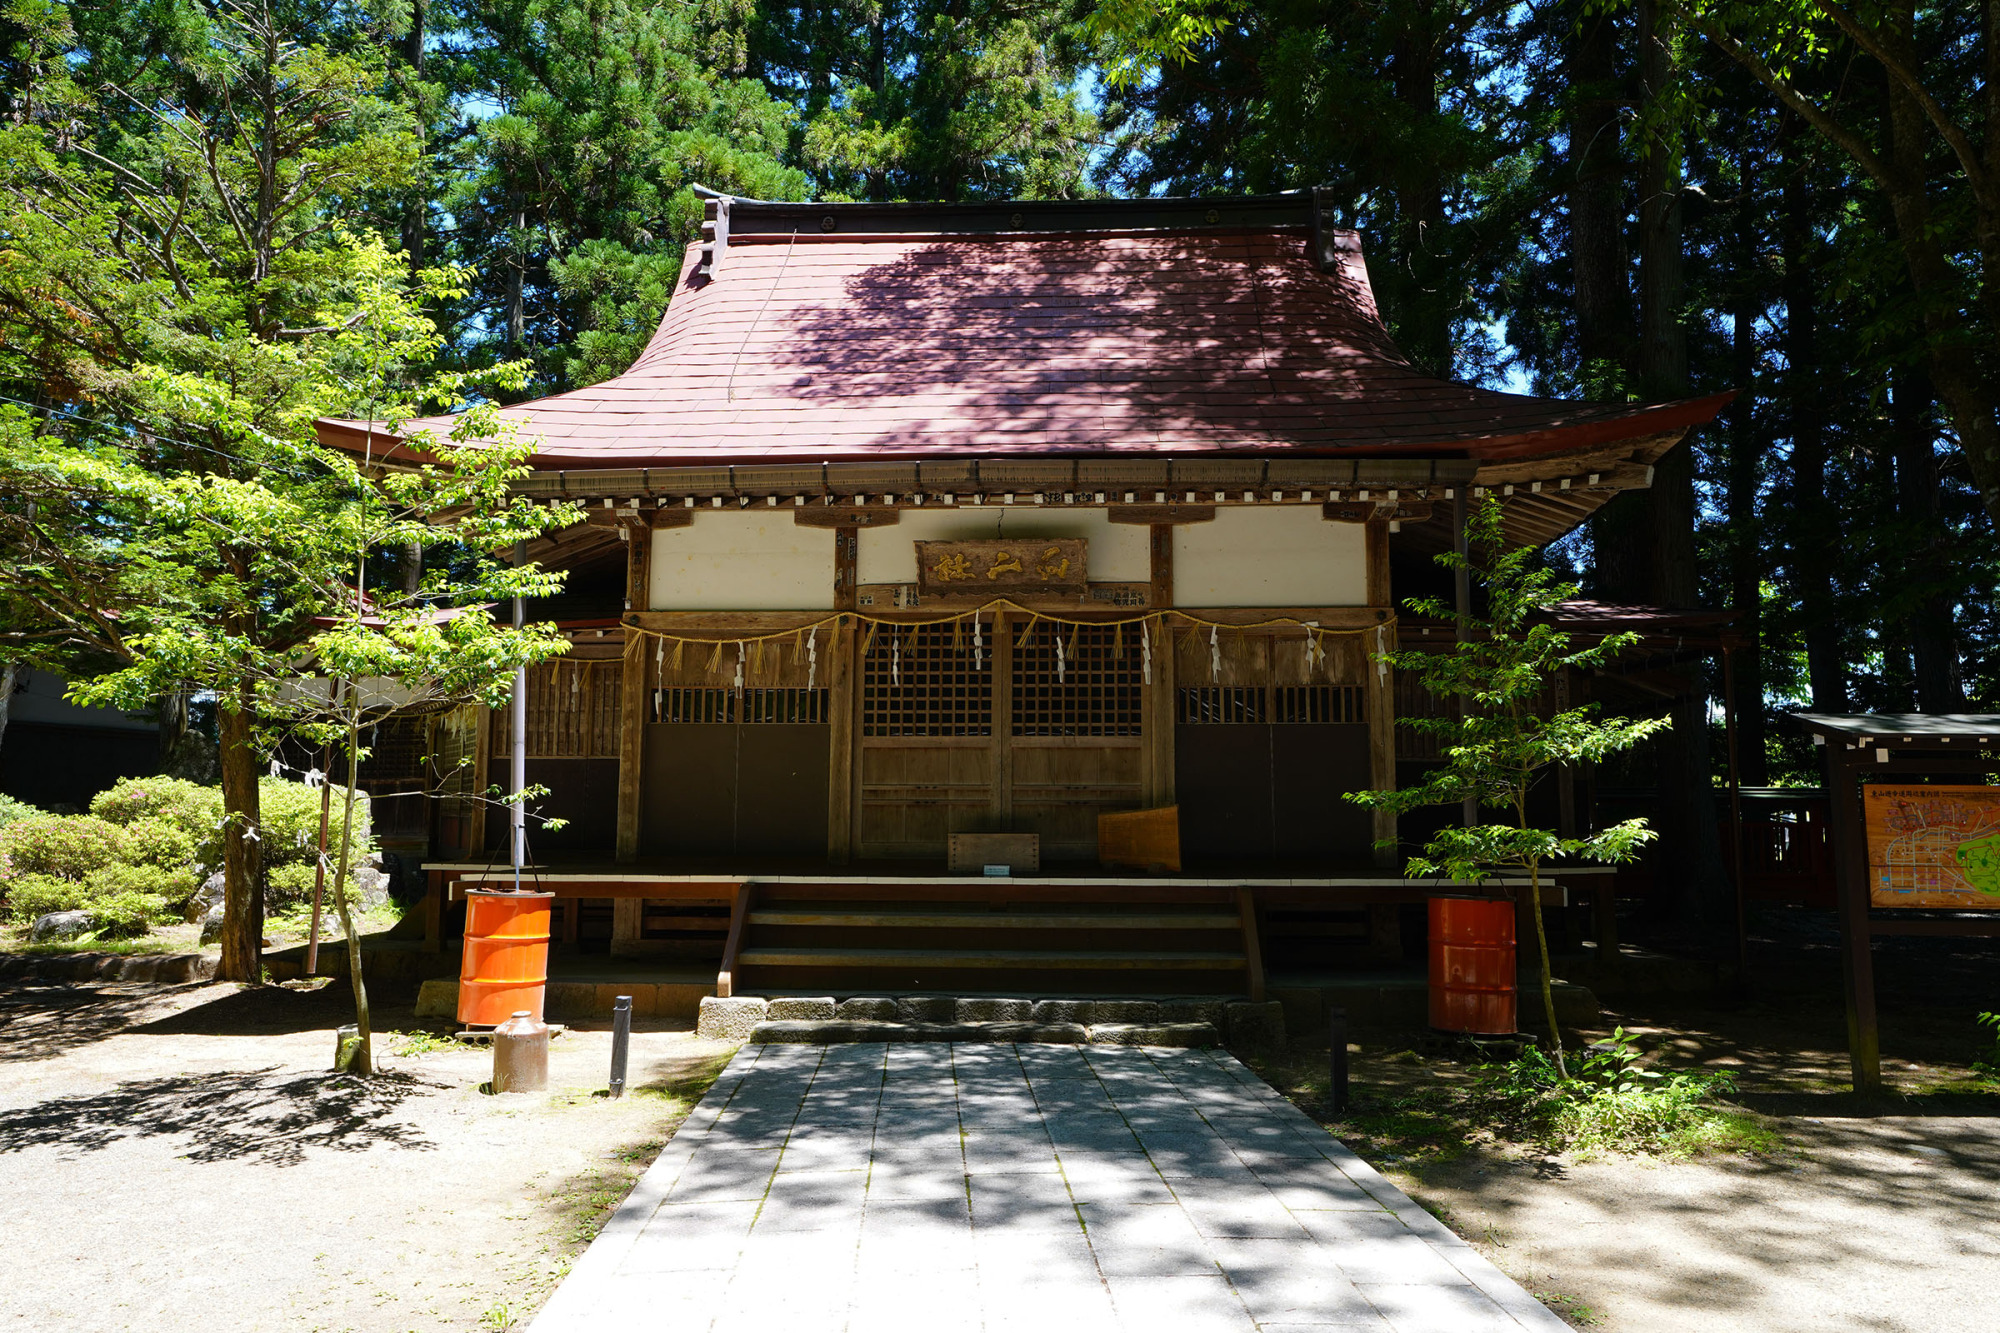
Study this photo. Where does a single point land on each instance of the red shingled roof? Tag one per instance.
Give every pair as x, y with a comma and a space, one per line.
811, 348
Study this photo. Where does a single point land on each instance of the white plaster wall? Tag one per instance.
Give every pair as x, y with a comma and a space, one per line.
1118, 551
743, 560
1277, 555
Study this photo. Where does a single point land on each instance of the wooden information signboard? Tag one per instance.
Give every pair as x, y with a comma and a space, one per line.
1002, 568
1933, 846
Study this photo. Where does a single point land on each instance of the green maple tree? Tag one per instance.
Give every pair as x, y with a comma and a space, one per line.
1503, 738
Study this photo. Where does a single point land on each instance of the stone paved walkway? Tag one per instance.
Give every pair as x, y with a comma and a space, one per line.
988, 1189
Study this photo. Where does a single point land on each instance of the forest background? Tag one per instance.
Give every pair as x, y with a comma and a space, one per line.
1597, 198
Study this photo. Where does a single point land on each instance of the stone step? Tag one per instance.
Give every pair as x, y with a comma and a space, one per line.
830, 1032
166, 969
990, 959
822, 1019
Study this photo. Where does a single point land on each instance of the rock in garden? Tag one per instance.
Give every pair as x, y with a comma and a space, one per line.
371, 886
211, 924
59, 926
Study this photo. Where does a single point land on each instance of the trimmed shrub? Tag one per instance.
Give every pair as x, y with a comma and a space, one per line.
161, 842
30, 896
123, 915
171, 885
288, 885
290, 812
121, 899
12, 810
67, 846
193, 809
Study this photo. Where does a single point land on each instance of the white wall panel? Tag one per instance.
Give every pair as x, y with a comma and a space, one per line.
1276, 555
743, 560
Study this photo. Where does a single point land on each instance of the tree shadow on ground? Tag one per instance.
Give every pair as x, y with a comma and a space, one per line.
42, 1022
267, 1116
260, 1011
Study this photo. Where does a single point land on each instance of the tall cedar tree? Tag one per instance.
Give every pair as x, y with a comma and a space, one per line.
182, 298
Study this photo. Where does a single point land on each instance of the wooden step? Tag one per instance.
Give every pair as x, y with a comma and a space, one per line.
997, 920
991, 959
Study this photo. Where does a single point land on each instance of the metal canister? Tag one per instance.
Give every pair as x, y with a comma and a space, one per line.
506, 959
521, 1054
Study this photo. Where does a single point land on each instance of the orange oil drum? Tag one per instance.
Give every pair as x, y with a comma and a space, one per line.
506, 963
1472, 966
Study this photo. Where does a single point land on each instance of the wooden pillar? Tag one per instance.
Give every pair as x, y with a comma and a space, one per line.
842, 709
1736, 824
482, 755
1381, 693
1158, 725
1000, 758
627, 918
1848, 845
440, 884
632, 692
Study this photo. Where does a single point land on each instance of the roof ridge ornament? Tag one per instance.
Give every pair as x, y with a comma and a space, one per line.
714, 236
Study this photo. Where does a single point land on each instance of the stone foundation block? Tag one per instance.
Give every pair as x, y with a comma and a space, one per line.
926, 1009
1203, 1010
1255, 1027
867, 1009
730, 1019
816, 1008
994, 1011
1124, 1011
1062, 1011
188, 967
1305, 1008
439, 999
1154, 1034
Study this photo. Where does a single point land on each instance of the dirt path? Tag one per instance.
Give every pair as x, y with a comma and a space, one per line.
1890, 1223
180, 1159
1872, 1215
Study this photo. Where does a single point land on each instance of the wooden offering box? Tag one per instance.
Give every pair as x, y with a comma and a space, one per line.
971, 853
1140, 839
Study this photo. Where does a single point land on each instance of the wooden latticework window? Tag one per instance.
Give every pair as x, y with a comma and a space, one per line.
1221, 705
1076, 680
572, 710
1293, 704
681, 705
397, 748
783, 706
1413, 700
927, 680
747, 706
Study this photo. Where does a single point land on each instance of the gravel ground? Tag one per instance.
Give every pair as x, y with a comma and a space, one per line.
1880, 1223
181, 1159
1881, 1214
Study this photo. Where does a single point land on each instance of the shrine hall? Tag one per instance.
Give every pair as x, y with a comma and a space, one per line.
991, 598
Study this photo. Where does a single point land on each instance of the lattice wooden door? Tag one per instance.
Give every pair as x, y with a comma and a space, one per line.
1006, 728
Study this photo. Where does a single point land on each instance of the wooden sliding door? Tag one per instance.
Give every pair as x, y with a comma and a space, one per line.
738, 773
1023, 726
1074, 732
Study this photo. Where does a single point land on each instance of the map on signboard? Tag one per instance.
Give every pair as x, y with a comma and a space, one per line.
1933, 846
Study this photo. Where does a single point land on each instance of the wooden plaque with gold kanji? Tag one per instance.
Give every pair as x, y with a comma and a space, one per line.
1001, 568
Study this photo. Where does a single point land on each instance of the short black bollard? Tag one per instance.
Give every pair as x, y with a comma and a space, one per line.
1336, 1035
621, 1042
